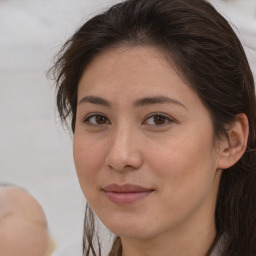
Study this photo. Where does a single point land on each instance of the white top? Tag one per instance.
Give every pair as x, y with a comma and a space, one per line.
217, 249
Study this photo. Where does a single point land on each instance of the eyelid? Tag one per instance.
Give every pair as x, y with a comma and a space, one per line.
168, 118
94, 114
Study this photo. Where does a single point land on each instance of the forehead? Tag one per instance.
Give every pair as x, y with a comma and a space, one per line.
125, 63
134, 67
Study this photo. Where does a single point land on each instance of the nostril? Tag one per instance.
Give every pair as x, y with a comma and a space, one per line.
124, 162
124, 152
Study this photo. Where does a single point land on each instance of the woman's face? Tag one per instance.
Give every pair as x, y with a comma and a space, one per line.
144, 145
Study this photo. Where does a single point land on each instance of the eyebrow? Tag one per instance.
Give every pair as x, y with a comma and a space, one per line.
138, 103
157, 100
95, 100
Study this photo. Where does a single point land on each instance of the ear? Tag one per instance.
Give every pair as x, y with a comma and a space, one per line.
234, 145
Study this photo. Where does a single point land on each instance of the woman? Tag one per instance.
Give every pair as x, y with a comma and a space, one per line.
162, 105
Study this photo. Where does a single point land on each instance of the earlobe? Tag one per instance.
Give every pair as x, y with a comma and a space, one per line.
233, 147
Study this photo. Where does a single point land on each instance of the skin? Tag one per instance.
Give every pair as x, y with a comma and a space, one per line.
23, 226
177, 158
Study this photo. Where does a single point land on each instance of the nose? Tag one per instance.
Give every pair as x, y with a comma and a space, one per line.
124, 151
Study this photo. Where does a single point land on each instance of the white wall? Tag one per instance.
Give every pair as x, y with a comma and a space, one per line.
35, 152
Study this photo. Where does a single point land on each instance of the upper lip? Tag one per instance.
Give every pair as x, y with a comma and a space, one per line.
125, 188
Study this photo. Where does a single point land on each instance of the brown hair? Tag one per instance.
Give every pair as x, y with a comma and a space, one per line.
209, 56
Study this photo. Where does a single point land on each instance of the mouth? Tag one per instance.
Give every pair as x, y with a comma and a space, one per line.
127, 193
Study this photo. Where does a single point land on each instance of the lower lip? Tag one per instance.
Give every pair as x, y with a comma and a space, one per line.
126, 198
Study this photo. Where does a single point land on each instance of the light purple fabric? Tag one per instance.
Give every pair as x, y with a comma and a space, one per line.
217, 249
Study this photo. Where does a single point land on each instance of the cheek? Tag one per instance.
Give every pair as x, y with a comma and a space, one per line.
184, 164
186, 175
88, 157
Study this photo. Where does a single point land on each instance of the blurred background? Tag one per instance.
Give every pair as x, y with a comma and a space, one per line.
35, 150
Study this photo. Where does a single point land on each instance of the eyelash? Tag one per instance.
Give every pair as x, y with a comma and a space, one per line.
87, 119
167, 119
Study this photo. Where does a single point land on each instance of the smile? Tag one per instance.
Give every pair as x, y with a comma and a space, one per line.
126, 194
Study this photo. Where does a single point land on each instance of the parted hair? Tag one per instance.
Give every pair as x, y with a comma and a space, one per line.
208, 55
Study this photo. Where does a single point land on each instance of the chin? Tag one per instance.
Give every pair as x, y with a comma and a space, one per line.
131, 229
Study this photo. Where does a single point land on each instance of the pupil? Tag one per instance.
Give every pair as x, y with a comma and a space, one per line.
159, 120
100, 119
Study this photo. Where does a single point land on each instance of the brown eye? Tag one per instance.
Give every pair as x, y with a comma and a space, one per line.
97, 120
100, 119
158, 120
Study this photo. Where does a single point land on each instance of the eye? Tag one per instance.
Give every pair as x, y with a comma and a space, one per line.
96, 119
158, 120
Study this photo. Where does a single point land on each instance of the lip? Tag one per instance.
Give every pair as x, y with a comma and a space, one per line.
127, 193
